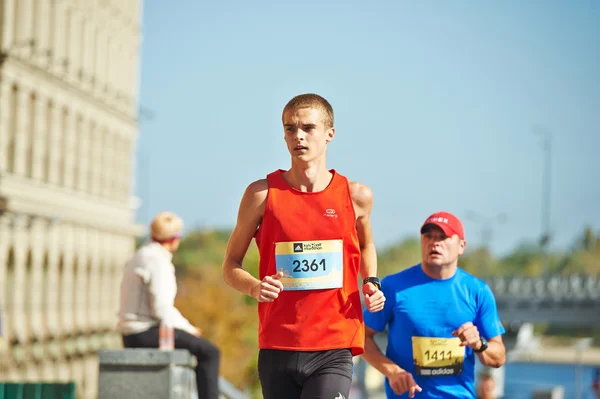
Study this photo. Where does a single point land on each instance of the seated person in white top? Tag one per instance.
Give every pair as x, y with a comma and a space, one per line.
148, 293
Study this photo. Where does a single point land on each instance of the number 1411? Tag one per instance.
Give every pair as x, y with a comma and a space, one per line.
435, 355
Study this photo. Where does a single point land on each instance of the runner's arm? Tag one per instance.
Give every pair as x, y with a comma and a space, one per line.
376, 358
250, 214
488, 321
495, 354
362, 198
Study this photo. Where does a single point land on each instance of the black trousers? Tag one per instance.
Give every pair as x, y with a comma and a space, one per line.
305, 375
207, 355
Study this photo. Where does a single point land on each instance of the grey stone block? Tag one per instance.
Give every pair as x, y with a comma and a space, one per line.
146, 374
557, 392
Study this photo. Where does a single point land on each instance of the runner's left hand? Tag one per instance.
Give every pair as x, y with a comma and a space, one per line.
374, 298
468, 335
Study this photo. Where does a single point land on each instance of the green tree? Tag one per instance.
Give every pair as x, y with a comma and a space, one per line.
401, 256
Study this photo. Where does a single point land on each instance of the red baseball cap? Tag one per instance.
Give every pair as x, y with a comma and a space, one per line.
446, 221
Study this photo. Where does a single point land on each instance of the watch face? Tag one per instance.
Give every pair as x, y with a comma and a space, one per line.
374, 281
484, 345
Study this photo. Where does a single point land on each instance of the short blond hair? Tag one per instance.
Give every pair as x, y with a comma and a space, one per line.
314, 101
165, 225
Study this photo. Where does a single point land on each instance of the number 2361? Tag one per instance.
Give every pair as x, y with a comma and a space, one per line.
304, 265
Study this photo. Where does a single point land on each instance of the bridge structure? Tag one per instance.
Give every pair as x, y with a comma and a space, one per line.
571, 300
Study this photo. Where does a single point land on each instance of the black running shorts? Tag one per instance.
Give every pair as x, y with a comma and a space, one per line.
305, 375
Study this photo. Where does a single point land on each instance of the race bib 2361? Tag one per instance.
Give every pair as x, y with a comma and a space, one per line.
310, 265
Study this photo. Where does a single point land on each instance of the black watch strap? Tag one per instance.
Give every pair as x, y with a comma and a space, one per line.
373, 280
484, 346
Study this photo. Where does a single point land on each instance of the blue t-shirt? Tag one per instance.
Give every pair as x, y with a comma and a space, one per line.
420, 306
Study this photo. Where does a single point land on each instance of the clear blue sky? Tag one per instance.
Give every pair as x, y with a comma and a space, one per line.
434, 105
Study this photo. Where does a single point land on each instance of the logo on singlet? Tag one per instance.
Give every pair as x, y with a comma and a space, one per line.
330, 213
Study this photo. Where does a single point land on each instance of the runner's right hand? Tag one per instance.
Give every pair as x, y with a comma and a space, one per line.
268, 289
403, 381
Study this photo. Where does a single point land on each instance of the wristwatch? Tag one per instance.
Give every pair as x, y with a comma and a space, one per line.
374, 281
484, 346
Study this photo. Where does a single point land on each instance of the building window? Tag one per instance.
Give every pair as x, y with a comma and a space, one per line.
12, 128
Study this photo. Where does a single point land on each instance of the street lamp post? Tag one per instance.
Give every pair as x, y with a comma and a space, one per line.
546, 194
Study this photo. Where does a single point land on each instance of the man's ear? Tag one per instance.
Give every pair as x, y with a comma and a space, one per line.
330, 134
461, 248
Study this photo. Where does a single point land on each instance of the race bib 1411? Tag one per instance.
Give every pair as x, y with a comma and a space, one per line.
436, 357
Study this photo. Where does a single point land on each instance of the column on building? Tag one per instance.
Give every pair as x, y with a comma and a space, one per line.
116, 268
12, 115
126, 157
54, 169
5, 248
77, 54
106, 258
125, 54
94, 159
59, 45
5, 121
105, 169
66, 278
121, 164
75, 145
126, 250
100, 61
63, 370
125, 168
81, 278
88, 50
116, 65
8, 21
21, 131
83, 128
42, 30
31, 373
119, 73
95, 296
17, 283
108, 168
69, 137
39, 134
35, 287
90, 365
73, 45
29, 132
24, 27
76, 373
110, 67
52, 280
93, 61
47, 370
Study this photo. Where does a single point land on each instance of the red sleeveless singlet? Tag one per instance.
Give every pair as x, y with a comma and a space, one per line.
312, 237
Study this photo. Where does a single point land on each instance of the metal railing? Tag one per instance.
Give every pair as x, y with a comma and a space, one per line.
229, 391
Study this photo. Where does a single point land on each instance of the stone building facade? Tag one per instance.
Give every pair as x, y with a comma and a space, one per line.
69, 72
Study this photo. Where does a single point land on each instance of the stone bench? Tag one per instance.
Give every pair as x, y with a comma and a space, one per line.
557, 392
146, 374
